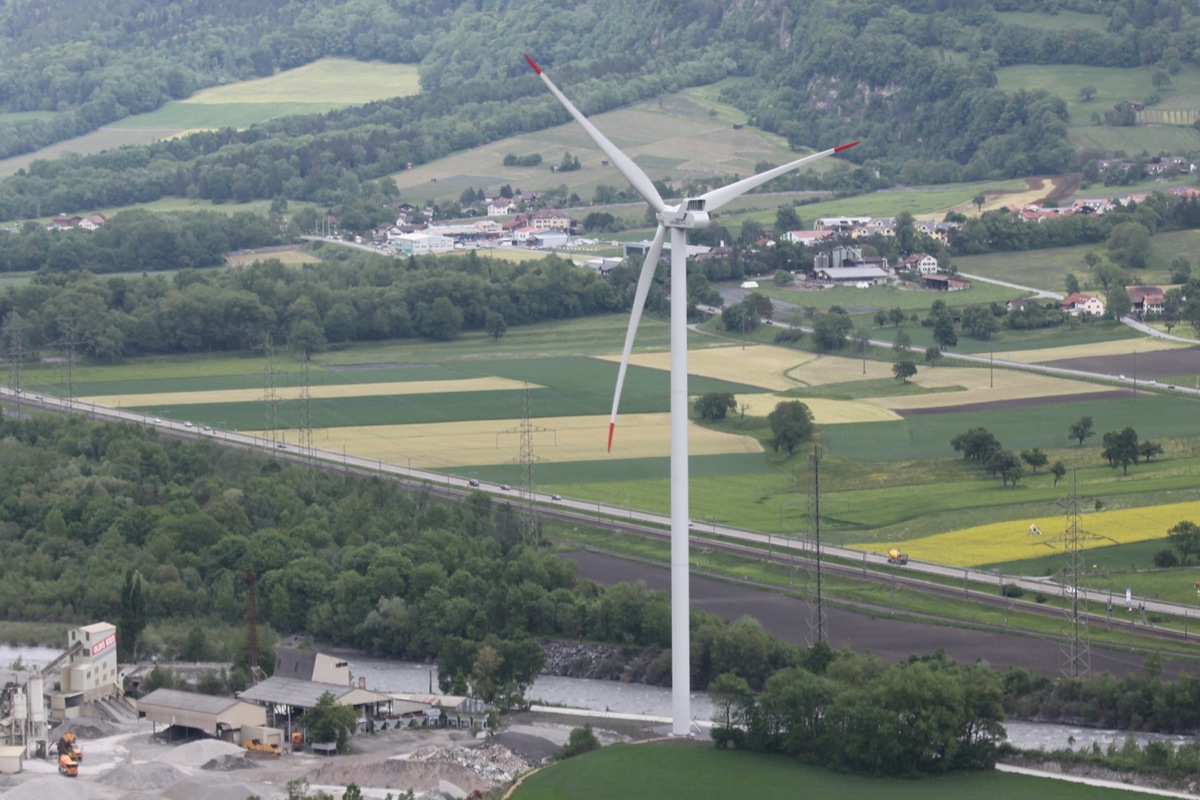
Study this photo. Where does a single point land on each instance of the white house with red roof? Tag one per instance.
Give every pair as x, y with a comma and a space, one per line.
1080, 303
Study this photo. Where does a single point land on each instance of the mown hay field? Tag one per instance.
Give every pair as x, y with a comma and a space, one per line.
319, 391
1012, 540
1112, 347
498, 441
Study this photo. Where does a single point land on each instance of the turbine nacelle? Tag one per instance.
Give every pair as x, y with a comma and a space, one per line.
689, 214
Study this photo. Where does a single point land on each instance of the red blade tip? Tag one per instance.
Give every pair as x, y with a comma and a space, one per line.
837, 149
533, 64
611, 427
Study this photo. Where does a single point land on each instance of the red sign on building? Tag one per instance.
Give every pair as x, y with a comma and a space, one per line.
104, 644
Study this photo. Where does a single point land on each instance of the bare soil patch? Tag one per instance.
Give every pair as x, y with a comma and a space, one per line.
1155, 364
865, 631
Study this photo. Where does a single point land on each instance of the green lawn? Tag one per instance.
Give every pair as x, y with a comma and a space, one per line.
669, 770
1048, 269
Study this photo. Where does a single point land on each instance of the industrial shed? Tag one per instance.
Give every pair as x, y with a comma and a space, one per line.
286, 697
216, 716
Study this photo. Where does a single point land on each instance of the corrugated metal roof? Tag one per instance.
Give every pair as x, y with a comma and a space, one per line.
305, 694
187, 701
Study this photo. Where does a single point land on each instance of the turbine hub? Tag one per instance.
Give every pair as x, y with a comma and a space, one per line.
689, 214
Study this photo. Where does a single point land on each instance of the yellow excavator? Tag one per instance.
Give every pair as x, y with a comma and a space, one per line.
68, 745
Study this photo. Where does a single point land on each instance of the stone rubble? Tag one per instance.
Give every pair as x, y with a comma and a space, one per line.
492, 762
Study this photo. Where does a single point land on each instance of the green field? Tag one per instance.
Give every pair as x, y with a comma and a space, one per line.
666, 771
1047, 269
314, 88
1112, 85
1059, 20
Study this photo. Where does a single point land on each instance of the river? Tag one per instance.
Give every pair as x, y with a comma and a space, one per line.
630, 698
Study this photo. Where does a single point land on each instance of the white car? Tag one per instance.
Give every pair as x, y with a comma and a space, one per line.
556, 497
157, 421
187, 424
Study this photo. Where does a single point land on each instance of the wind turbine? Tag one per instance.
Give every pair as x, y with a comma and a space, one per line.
689, 214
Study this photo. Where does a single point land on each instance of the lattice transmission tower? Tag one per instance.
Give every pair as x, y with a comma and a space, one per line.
1076, 647
530, 525
814, 569
270, 396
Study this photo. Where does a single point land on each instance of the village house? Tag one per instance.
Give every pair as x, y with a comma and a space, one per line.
1079, 303
808, 237
1146, 300
922, 263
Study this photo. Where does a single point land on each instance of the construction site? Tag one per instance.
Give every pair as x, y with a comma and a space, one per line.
68, 730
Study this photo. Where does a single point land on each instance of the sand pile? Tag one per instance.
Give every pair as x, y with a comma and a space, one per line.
147, 777
56, 787
197, 754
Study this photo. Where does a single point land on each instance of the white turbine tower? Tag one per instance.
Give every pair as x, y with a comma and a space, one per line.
691, 213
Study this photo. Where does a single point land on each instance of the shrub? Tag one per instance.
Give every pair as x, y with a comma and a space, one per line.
582, 741
1165, 559
1011, 590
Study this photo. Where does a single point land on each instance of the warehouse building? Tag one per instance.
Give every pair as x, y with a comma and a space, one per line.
221, 717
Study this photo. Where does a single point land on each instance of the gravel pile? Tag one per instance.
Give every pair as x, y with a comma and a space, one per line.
231, 762
213, 788
151, 776
56, 787
197, 754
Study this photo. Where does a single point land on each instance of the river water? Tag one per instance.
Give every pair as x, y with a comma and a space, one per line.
627, 698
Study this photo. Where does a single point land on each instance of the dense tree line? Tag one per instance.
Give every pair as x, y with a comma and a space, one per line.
137, 241
856, 714
329, 304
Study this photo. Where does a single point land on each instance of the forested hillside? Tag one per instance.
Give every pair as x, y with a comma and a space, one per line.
914, 79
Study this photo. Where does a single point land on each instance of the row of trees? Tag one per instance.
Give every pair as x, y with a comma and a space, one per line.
1120, 449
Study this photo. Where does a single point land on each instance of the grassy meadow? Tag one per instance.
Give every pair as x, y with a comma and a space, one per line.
670, 770
321, 86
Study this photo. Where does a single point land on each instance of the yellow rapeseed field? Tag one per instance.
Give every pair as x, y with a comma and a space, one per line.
1014, 540
776, 368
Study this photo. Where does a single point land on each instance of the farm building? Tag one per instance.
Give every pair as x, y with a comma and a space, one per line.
945, 283
852, 275
1146, 299
215, 716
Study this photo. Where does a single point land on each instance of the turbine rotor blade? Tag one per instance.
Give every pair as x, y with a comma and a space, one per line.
632, 172
720, 196
639, 303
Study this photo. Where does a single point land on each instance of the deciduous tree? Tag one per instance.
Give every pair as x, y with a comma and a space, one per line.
791, 424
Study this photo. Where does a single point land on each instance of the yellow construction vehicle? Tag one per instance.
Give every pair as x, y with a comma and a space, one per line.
69, 746
68, 766
259, 746
896, 557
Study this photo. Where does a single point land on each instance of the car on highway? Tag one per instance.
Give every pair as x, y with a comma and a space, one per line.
187, 424
556, 497
157, 421
473, 483
504, 487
